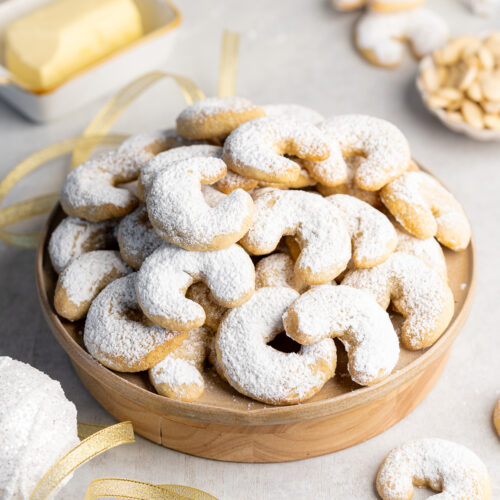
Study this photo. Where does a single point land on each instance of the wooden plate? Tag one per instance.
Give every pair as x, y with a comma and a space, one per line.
225, 425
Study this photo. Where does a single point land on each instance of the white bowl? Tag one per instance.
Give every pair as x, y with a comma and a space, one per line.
460, 127
106, 75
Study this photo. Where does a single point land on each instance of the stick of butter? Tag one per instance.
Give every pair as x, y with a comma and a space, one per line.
49, 45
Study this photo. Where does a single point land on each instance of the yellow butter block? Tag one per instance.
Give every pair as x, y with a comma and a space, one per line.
49, 45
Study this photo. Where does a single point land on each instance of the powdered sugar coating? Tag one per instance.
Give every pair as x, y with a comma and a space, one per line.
180, 375
428, 250
89, 191
278, 270
82, 280
318, 227
201, 294
260, 371
372, 234
415, 290
119, 336
381, 36
356, 319
426, 209
384, 148
166, 275
37, 427
294, 112
441, 465
256, 148
137, 238
179, 213
73, 237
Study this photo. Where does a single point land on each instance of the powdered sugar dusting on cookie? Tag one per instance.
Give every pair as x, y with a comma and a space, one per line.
73, 237
372, 234
259, 370
255, 148
416, 291
443, 465
117, 333
212, 106
356, 319
384, 147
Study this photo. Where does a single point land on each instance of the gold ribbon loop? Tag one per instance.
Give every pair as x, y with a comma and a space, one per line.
112, 110
94, 445
228, 64
41, 204
137, 490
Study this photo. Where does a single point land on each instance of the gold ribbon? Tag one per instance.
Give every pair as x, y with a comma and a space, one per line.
136, 490
228, 64
90, 447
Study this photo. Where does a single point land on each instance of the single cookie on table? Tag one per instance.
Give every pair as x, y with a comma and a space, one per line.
257, 369
73, 237
293, 111
82, 280
90, 191
216, 117
415, 290
426, 209
383, 150
355, 318
373, 236
434, 463
201, 294
278, 270
119, 336
180, 375
317, 225
428, 250
257, 148
227, 184
381, 37
38, 426
165, 276
178, 211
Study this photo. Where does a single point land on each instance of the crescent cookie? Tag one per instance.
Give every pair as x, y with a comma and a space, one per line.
137, 238
216, 117
227, 184
201, 294
372, 234
90, 191
428, 250
167, 273
278, 270
416, 291
356, 319
381, 37
73, 237
180, 375
82, 280
294, 112
441, 465
256, 149
181, 216
261, 372
119, 336
317, 226
426, 209
383, 148
38, 426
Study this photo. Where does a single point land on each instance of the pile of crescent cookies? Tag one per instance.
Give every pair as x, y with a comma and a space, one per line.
201, 244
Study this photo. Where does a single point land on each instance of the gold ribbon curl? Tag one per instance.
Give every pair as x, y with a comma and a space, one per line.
90, 447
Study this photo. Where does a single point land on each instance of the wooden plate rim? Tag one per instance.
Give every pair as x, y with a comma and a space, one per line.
265, 416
